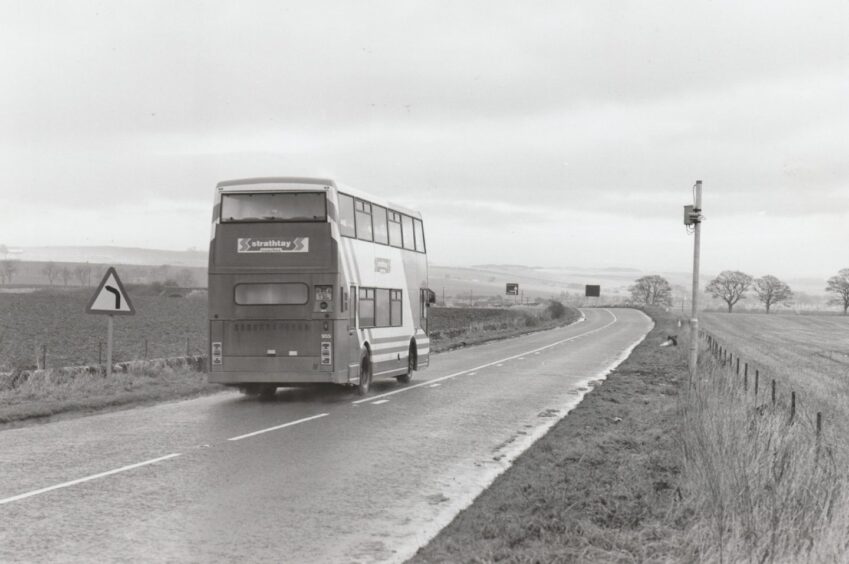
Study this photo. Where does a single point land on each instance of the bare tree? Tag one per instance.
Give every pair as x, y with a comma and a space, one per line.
771, 291
65, 273
51, 271
82, 272
840, 286
730, 286
8, 268
651, 290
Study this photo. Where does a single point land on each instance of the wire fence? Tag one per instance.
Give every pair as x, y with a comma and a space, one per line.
763, 390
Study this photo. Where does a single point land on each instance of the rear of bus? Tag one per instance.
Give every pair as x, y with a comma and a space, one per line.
275, 285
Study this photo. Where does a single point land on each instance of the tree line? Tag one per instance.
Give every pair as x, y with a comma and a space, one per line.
731, 286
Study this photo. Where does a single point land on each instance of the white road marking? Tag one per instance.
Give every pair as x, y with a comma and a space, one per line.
289, 424
434, 385
488, 364
497, 365
521, 358
87, 478
472, 373
378, 402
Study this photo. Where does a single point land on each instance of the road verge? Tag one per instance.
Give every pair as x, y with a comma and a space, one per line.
599, 486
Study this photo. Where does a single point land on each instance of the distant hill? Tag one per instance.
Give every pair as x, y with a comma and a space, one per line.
111, 255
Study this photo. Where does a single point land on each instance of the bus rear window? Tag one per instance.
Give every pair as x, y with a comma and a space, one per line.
272, 294
281, 206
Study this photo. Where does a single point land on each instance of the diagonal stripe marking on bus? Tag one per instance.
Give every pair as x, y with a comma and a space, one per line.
488, 364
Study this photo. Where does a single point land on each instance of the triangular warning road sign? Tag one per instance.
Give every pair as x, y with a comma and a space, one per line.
110, 297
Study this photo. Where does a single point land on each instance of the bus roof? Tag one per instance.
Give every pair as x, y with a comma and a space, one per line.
306, 183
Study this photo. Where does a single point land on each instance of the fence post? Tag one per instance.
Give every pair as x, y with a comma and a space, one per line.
145, 349
819, 434
757, 374
746, 379
773, 393
100, 352
792, 406
44, 357
738, 366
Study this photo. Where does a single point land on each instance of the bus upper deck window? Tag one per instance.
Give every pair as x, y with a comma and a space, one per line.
394, 229
274, 206
381, 233
364, 227
407, 226
420, 241
346, 216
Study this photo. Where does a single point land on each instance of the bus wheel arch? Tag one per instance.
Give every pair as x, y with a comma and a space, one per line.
365, 371
412, 363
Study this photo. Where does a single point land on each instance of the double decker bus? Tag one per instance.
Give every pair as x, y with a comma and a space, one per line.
313, 283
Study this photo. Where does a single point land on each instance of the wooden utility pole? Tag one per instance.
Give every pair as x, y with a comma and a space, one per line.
696, 218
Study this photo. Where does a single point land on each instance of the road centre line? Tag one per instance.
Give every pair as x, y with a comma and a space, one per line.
469, 371
87, 478
378, 402
276, 427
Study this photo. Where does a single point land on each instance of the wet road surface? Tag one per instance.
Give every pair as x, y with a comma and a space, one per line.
312, 476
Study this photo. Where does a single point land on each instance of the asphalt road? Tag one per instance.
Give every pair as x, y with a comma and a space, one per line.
313, 476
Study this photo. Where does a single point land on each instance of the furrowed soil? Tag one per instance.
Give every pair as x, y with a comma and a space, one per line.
164, 326
600, 486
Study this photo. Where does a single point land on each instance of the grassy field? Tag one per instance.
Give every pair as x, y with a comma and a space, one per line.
805, 353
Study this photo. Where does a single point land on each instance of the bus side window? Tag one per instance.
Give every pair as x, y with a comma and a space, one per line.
343, 299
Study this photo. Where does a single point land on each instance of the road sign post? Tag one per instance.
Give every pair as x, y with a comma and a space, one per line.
110, 299
693, 216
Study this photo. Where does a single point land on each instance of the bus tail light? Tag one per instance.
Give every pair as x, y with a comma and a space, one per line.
217, 353
324, 297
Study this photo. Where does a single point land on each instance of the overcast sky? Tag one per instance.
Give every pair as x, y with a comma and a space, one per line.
545, 133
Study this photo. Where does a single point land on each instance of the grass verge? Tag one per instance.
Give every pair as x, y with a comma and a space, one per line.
601, 485
47, 394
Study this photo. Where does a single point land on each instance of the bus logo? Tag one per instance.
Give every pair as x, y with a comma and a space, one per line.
253, 245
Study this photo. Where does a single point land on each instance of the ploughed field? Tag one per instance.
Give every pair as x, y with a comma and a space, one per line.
168, 326
805, 353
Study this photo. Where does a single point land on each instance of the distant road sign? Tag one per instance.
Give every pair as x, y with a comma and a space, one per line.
512, 289
111, 298
593, 291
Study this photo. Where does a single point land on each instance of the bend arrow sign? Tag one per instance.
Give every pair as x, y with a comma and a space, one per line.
110, 297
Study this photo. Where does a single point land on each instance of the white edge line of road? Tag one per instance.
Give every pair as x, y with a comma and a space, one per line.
404, 553
488, 364
87, 478
276, 427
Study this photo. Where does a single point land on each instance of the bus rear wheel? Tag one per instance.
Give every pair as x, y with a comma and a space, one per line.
365, 374
411, 366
